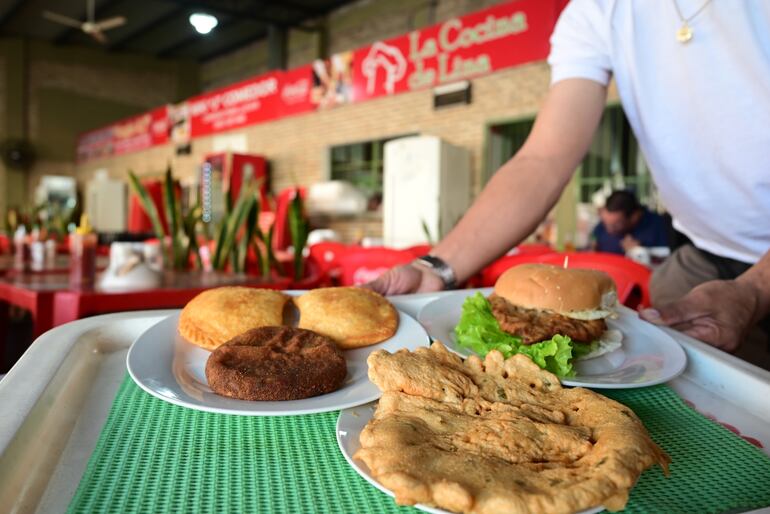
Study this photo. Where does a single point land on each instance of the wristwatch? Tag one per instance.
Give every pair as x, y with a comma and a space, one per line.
443, 270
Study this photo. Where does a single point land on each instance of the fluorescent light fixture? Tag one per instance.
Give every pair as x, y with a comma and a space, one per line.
203, 23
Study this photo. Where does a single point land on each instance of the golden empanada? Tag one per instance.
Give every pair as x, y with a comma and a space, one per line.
218, 315
351, 316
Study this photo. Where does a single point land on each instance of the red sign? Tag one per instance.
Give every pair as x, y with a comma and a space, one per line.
297, 91
246, 103
461, 48
129, 135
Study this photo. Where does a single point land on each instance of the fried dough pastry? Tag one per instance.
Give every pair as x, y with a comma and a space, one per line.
498, 435
353, 317
276, 363
217, 315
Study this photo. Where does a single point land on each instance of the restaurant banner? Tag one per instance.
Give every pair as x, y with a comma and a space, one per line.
502, 36
252, 101
460, 48
297, 88
126, 136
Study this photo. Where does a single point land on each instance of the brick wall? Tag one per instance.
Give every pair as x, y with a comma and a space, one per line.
298, 147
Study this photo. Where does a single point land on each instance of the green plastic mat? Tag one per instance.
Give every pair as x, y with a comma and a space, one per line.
154, 457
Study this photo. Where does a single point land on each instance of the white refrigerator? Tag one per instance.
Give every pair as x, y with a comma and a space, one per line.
426, 187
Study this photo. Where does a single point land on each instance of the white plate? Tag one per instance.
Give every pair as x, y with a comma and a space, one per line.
165, 365
648, 356
349, 426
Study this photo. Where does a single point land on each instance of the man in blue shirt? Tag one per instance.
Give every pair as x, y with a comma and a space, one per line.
627, 224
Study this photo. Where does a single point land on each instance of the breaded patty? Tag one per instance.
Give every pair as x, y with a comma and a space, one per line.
276, 363
534, 325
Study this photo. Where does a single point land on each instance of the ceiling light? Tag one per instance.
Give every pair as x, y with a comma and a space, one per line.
203, 23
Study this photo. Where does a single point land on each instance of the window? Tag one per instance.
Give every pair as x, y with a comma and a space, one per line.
361, 164
613, 161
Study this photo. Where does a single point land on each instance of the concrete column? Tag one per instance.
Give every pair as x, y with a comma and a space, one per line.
277, 47
13, 189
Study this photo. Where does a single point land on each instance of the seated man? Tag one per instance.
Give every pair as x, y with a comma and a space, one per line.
627, 224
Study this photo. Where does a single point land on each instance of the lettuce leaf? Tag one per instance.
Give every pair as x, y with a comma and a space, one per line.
581, 350
479, 331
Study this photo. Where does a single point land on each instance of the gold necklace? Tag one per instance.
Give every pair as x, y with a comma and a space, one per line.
684, 33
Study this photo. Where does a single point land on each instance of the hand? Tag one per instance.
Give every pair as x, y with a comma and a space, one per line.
628, 243
719, 312
406, 279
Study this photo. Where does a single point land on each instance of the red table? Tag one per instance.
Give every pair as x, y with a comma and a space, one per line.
60, 265
33, 292
176, 289
52, 302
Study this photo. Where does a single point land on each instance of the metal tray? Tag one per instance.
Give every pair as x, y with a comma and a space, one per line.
54, 401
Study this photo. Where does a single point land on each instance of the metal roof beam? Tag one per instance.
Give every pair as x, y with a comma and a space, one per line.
170, 49
225, 11
10, 13
121, 43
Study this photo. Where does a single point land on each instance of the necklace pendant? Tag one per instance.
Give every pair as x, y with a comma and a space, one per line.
684, 34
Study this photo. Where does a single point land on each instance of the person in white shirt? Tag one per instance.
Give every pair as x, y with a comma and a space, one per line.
693, 77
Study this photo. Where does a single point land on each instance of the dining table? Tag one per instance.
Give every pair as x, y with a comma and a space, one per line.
60, 264
78, 435
52, 300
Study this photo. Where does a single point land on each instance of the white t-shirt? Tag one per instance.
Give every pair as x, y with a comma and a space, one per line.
701, 110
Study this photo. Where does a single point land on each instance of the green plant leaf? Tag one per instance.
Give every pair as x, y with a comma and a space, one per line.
147, 204
172, 218
298, 227
234, 222
190, 224
219, 247
248, 236
426, 231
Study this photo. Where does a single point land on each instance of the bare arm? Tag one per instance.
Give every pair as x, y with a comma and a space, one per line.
757, 278
521, 193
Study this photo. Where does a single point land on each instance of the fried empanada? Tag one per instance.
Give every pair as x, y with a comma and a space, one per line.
353, 317
498, 435
218, 315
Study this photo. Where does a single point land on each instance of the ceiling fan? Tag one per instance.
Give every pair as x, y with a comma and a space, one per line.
93, 28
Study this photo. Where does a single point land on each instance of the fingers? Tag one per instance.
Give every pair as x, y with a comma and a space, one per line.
399, 280
685, 310
379, 285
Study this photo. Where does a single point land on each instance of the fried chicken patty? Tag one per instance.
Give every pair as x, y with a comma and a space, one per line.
534, 325
276, 363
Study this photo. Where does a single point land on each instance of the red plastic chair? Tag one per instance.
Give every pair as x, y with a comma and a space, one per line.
326, 256
363, 265
281, 232
631, 278
519, 255
489, 275
532, 249
419, 250
5, 244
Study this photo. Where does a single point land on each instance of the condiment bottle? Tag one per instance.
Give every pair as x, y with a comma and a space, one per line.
82, 254
20, 249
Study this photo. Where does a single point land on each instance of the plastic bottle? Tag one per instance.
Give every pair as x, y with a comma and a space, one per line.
83, 254
20, 249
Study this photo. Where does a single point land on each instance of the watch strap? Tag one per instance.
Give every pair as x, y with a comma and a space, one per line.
439, 267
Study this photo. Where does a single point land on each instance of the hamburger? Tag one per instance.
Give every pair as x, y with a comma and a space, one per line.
555, 315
